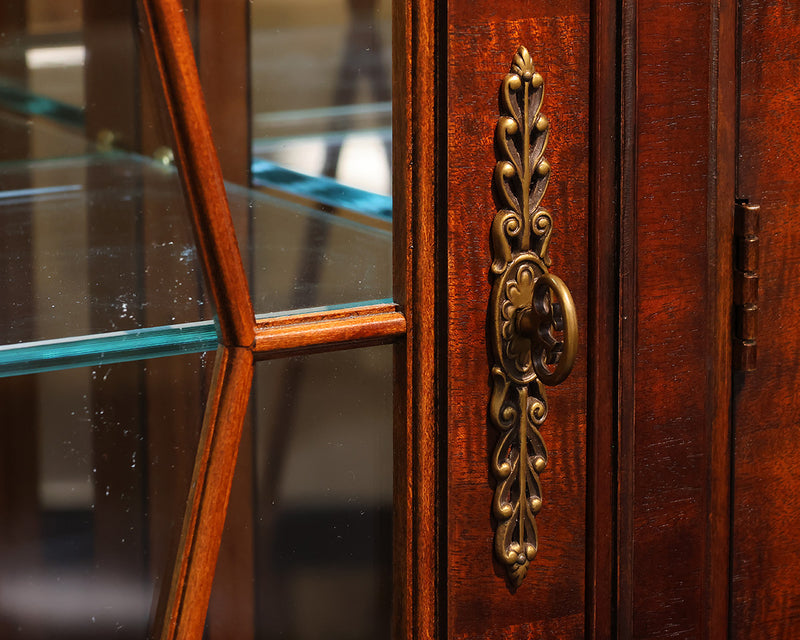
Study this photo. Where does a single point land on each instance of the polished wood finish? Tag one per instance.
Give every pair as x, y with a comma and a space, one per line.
602, 328
636, 534
766, 564
419, 258
361, 326
719, 275
200, 169
221, 33
482, 38
183, 608
675, 308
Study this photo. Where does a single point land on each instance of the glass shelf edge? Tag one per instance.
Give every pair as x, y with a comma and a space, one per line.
321, 189
108, 348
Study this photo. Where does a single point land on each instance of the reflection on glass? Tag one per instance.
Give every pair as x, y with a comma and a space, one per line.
321, 74
102, 249
96, 464
100, 272
322, 473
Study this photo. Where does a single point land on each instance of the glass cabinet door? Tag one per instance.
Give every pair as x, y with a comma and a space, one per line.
108, 326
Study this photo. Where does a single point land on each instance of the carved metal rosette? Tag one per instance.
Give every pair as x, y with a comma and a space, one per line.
529, 308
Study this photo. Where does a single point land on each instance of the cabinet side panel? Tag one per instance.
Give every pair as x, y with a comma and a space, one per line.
766, 563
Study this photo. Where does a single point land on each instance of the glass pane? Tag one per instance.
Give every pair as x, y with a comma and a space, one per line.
321, 74
321, 485
42, 79
109, 243
321, 126
95, 467
303, 258
95, 245
100, 248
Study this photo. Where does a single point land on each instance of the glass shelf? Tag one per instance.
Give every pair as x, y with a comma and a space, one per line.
96, 251
100, 263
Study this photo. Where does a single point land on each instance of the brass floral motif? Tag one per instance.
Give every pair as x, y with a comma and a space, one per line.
529, 307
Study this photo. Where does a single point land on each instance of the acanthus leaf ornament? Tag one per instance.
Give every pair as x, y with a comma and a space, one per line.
529, 308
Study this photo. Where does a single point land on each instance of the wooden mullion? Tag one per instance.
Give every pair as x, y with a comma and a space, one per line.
200, 170
719, 223
602, 328
316, 332
183, 606
221, 33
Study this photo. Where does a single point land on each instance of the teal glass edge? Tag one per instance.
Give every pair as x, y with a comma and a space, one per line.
127, 346
107, 348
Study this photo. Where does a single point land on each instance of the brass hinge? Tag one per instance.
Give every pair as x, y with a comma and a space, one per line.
745, 285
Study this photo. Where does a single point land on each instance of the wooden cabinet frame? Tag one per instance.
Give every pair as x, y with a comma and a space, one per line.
645, 95
411, 321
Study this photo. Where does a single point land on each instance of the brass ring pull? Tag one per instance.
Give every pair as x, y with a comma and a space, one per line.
530, 310
537, 323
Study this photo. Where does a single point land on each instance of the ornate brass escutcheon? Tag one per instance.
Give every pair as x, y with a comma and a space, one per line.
533, 325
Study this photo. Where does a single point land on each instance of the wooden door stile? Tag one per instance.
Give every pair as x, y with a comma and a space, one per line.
765, 562
603, 329
483, 37
419, 257
674, 304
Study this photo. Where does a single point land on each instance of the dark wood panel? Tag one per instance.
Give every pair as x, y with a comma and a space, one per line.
223, 59
766, 562
673, 464
482, 40
20, 521
601, 332
112, 72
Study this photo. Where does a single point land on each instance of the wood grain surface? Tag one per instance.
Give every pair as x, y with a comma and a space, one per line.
418, 158
766, 561
302, 333
673, 290
482, 39
602, 331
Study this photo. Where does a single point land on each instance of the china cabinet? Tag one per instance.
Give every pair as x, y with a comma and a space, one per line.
490, 330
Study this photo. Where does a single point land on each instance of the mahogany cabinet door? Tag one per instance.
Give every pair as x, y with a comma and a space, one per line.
634, 530
766, 562
558, 596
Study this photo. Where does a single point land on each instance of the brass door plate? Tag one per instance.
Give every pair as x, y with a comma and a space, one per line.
529, 308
